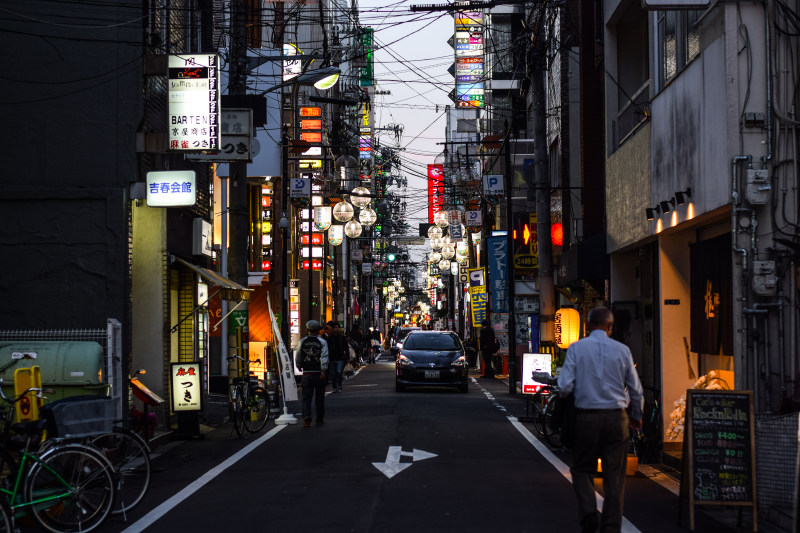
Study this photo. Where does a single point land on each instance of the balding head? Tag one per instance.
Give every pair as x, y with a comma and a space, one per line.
600, 317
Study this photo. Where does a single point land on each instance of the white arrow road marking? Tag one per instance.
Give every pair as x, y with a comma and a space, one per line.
393, 466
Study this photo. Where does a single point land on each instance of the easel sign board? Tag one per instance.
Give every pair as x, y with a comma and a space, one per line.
719, 450
533, 363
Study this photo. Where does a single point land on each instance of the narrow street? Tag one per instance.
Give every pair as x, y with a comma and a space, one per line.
422, 460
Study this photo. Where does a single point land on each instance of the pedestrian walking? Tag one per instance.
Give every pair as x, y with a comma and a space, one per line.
311, 357
357, 336
338, 352
601, 374
489, 347
375, 344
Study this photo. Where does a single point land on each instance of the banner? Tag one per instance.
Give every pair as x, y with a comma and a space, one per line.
435, 190
498, 273
477, 295
287, 366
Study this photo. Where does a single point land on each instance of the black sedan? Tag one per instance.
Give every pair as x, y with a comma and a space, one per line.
432, 358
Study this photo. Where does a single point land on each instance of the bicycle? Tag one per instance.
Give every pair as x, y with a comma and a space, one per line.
540, 401
249, 401
68, 487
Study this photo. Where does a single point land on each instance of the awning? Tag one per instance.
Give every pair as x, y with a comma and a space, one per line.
229, 290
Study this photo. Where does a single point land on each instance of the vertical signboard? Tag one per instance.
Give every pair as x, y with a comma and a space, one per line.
469, 70
185, 387
498, 272
193, 102
477, 295
435, 190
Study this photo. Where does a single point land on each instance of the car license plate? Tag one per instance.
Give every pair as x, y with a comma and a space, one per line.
431, 374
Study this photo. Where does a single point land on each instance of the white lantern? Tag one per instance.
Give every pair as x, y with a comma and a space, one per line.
360, 197
322, 217
436, 243
435, 232
367, 217
343, 211
476, 238
336, 234
435, 257
448, 251
352, 229
454, 268
462, 250
447, 240
440, 219
444, 265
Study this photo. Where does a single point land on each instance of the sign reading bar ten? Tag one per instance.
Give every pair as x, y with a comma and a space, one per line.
194, 102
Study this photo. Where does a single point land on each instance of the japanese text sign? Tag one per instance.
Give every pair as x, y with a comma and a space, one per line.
193, 102
435, 190
498, 272
185, 385
171, 188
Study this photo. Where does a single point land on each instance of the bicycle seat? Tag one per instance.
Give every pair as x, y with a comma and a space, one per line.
30, 428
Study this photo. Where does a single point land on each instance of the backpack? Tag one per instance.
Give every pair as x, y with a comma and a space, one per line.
310, 353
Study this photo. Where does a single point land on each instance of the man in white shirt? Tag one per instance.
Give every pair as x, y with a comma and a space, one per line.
602, 375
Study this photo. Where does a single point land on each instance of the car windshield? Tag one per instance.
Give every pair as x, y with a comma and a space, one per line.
432, 341
404, 333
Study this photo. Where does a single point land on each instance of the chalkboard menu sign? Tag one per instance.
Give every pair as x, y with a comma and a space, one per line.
719, 449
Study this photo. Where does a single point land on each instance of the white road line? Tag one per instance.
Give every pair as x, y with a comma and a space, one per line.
563, 469
151, 517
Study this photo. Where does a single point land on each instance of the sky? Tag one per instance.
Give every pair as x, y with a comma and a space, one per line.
411, 61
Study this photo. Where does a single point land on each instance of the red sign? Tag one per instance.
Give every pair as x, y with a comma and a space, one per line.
316, 264
311, 124
316, 239
310, 111
435, 190
266, 266
311, 137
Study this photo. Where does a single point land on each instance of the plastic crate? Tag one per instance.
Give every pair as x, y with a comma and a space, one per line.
79, 416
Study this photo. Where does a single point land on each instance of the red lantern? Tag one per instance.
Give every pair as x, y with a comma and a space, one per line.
557, 234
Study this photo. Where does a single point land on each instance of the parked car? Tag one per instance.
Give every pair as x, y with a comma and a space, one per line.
432, 358
400, 337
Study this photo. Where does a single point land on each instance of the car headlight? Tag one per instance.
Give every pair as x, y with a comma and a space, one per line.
404, 361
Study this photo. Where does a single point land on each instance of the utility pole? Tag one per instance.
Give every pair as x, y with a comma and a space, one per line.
512, 332
542, 188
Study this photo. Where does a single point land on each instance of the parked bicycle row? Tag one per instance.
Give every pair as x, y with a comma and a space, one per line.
70, 469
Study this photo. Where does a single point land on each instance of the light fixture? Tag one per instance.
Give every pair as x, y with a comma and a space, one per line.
436, 243
343, 211
322, 217
352, 229
652, 212
435, 232
444, 265
336, 234
665, 205
680, 196
448, 251
435, 257
440, 219
367, 217
360, 197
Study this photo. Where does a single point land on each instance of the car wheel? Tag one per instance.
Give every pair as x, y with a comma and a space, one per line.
398, 387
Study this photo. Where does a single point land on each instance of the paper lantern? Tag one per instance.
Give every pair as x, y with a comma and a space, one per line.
436, 243
557, 234
567, 327
448, 251
435, 232
440, 219
336, 234
444, 265
322, 217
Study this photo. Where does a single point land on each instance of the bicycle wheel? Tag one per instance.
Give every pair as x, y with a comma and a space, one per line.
539, 406
552, 434
256, 412
6, 517
71, 488
130, 457
238, 395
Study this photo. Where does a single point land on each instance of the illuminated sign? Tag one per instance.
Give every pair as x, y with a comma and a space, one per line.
315, 124
185, 385
310, 163
435, 190
316, 264
291, 67
194, 102
316, 239
311, 136
171, 188
306, 112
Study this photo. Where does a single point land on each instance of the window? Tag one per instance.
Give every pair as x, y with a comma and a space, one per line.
678, 42
432, 341
503, 52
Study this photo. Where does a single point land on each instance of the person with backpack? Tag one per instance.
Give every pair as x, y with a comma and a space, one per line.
339, 352
311, 356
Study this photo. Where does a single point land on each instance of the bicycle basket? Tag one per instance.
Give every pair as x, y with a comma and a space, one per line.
79, 416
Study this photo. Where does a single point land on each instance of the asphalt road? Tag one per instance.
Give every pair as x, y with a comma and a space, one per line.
424, 460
